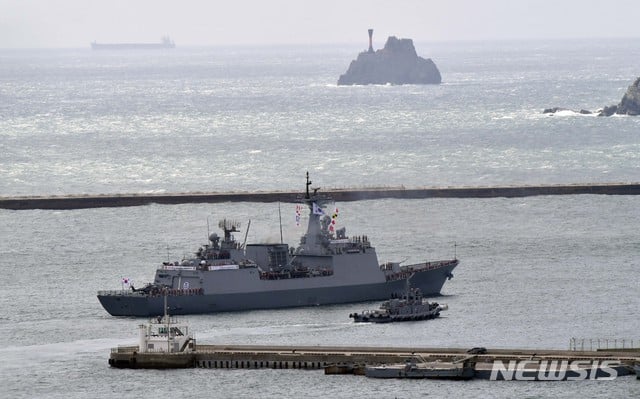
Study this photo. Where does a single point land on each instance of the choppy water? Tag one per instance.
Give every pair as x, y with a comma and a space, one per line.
534, 271
223, 119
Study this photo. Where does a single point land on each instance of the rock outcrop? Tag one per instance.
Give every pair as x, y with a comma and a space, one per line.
397, 63
629, 105
558, 109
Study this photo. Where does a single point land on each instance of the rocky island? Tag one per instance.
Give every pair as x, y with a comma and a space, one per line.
629, 105
397, 63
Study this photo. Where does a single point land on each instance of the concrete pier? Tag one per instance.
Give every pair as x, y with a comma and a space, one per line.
353, 359
340, 195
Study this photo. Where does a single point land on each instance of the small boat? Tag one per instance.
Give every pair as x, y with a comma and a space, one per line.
432, 370
165, 334
636, 368
164, 342
410, 306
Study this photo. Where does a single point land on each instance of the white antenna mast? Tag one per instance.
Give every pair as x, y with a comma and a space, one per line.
280, 217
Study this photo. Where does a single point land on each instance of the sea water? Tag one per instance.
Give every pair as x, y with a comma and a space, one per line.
534, 272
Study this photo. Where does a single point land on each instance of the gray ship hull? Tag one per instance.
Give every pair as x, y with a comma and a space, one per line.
127, 303
327, 267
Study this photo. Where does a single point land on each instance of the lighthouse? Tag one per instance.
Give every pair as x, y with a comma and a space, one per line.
370, 41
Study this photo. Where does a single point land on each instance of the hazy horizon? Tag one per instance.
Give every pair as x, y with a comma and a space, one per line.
76, 23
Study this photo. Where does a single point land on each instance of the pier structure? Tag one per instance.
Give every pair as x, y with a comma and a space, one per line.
340, 195
353, 360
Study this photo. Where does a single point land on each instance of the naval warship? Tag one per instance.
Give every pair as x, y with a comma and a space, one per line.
327, 267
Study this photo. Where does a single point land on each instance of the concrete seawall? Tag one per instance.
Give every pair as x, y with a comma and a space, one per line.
340, 195
353, 360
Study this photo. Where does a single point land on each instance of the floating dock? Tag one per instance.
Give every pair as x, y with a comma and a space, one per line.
340, 195
488, 364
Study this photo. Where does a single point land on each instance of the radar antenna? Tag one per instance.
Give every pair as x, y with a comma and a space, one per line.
229, 226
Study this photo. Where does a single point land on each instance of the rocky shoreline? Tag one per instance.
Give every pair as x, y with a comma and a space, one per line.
629, 105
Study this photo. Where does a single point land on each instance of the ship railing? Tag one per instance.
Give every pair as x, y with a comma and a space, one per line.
406, 271
176, 267
288, 274
594, 344
131, 349
429, 265
157, 293
120, 293
124, 349
164, 351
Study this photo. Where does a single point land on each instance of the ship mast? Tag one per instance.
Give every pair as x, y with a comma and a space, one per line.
316, 238
280, 217
166, 320
307, 196
229, 226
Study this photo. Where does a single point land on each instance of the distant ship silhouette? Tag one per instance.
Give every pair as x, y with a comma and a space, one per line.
165, 43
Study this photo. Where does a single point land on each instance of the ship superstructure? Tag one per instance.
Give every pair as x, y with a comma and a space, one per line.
327, 267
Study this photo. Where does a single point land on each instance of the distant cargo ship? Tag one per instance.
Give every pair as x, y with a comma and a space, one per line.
165, 43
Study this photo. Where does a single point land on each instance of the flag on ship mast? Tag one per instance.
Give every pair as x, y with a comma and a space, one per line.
298, 214
334, 216
317, 210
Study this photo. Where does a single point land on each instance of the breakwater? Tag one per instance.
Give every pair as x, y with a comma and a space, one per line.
340, 195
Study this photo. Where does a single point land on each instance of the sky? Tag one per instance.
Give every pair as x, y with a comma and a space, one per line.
76, 23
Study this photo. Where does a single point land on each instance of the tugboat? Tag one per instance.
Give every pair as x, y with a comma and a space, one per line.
409, 307
326, 267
